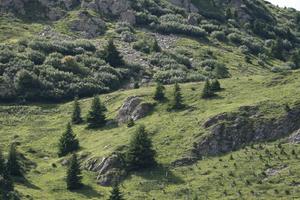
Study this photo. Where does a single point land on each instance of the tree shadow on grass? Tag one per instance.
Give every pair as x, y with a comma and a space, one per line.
161, 174
26, 183
88, 192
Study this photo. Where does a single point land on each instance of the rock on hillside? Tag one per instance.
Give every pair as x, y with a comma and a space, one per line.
110, 169
133, 108
87, 25
232, 131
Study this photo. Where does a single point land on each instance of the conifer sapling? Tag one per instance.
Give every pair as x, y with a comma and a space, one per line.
96, 117
140, 154
76, 115
74, 174
68, 142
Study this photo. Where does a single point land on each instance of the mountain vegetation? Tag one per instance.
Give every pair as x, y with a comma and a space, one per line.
149, 99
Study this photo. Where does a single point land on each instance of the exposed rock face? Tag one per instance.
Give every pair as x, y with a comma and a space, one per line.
187, 4
133, 108
110, 169
52, 10
128, 16
232, 131
108, 7
295, 137
88, 25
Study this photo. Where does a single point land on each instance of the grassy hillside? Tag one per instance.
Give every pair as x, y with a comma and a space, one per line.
37, 128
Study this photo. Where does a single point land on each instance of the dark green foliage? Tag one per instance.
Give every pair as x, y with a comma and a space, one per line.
13, 163
115, 194
215, 85
207, 91
68, 142
76, 115
2, 163
177, 98
159, 94
277, 49
96, 117
140, 154
156, 46
112, 55
136, 85
74, 174
6, 183
130, 123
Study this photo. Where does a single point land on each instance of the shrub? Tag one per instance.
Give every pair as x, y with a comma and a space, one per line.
219, 35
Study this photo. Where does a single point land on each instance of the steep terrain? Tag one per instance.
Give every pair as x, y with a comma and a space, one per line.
240, 144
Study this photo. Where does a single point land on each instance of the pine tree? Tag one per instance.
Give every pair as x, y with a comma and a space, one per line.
177, 101
96, 116
2, 163
156, 46
115, 193
207, 91
112, 55
13, 164
159, 92
6, 184
215, 85
74, 174
140, 154
76, 115
68, 142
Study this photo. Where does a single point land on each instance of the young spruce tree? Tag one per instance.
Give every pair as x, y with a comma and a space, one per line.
6, 184
68, 142
177, 101
207, 91
96, 117
13, 164
74, 174
159, 94
112, 55
140, 154
115, 193
76, 115
215, 85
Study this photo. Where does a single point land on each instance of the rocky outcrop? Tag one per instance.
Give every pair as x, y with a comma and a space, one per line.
110, 169
88, 25
295, 137
232, 131
133, 108
52, 10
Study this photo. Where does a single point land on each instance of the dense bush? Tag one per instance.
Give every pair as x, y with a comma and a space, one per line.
179, 28
47, 70
219, 35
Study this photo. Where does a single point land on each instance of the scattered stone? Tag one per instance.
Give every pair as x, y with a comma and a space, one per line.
88, 25
133, 108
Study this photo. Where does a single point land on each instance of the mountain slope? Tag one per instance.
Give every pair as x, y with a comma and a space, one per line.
240, 144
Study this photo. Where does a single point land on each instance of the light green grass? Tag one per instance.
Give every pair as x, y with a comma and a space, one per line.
39, 126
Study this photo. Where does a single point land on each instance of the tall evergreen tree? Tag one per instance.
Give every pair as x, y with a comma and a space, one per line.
177, 101
13, 165
6, 184
207, 91
112, 55
140, 154
159, 94
68, 142
215, 85
115, 193
2, 163
96, 116
74, 174
76, 115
